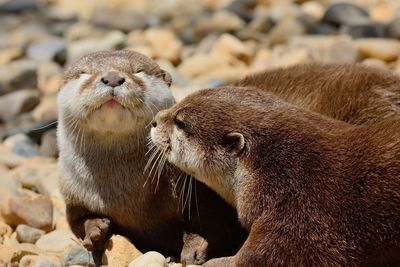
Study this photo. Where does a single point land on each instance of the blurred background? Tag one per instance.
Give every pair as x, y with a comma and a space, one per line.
201, 43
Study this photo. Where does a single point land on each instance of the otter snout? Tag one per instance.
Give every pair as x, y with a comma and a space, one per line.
113, 80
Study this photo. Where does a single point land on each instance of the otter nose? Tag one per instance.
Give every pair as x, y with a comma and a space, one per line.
113, 81
154, 123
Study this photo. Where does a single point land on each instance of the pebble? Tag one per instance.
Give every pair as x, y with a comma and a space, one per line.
129, 19
48, 144
229, 44
18, 74
383, 12
345, 14
27, 234
46, 111
383, 49
286, 29
393, 29
57, 241
39, 261
9, 54
164, 44
78, 255
33, 211
5, 231
120, 252
18, 102
149, 259
22, 145
49, 77
48, 50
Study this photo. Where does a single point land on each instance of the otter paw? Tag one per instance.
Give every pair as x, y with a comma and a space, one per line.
194, 250
95, 232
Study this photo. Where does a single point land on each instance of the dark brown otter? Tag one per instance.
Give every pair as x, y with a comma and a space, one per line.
354, 93
105, 109
312, 191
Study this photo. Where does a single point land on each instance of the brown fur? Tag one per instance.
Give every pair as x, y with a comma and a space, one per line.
103, 172
311, 190
353, 93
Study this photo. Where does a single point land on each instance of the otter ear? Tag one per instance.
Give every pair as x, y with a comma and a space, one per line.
234, 142
166, 77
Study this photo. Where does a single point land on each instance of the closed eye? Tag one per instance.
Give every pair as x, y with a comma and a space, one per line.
179, 124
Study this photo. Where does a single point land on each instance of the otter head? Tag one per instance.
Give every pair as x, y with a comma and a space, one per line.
113, 93
200, 136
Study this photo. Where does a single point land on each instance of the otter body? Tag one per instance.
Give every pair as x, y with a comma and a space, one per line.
312, 191
105, 108
353, 93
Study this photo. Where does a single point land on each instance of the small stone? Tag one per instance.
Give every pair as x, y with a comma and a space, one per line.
57, 241
78, 255
365, 30
120, 252
382, 12
27, 234
327, 49
242, 8
8, 186
233, 46
33, 211
5, 255
79, 48
219, 22
38, 175
383, 49
164, 44
373, 62
286, 29
48, 146
345, 14
39, 261
18, 74
18, 6
9, 54
22, 145
15, 103
5, 231
46, 110
50, 76
21, 250
48, 50
10, 160
393, 29
313, 8
151, 258
128, 19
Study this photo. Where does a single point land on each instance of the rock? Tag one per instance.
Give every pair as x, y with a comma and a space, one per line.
233, 46
18, 5
382, 12
83, 30
9, 54
366, 30
373, 62
220, 22
383, 49
48, 50
50, 76
128, 19
120, 252
151, 258
286, 29
345, 14
62, 223
22, 145
10, 160
5, 232
242, 8
15, 103
8, 186
328, 49
313, 8
321, 29
38, 175
164, 44
33, 211
27, 234
21, 250
78, 255
393, 29
39, 261
47, 109
48, 146
57, 241
18, 74
112, 40
6, 254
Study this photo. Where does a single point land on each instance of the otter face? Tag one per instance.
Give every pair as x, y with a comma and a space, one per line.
114, 92
196, 136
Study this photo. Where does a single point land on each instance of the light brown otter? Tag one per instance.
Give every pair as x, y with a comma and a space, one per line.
353, 93
311, 190
105, 108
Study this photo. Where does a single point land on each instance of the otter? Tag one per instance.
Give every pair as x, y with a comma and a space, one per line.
311, 190
354, 93
105, 109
